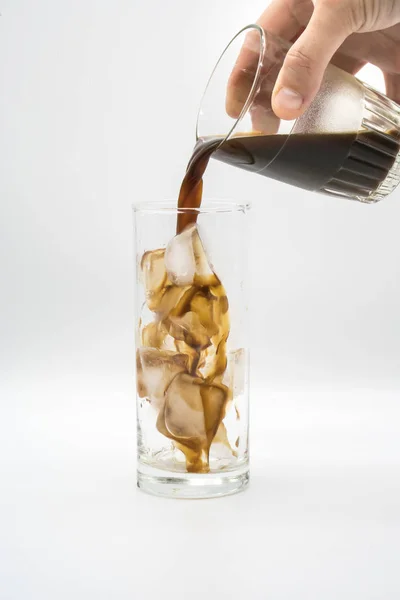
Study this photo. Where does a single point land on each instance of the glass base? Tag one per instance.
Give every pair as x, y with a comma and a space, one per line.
191, 485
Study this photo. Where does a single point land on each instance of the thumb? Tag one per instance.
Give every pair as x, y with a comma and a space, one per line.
303, 69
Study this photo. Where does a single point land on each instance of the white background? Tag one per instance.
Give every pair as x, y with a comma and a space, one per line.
92, 95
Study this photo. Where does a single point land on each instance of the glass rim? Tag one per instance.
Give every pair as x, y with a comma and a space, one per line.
263, 45
208, 206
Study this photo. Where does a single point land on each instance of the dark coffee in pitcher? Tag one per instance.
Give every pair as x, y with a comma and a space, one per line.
353, 163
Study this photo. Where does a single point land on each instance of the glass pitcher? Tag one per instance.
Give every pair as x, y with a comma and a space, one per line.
346, 144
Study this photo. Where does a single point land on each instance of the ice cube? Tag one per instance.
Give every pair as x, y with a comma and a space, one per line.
154, 275
220, 307
221, 437
183, 348
175, 301
186, 261
202, 305
153, 335
153, 332
155, 371
192, 412
214, 399
183, 413
189, 330
212, 363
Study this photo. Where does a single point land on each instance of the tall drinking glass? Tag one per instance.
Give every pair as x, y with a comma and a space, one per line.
192, 350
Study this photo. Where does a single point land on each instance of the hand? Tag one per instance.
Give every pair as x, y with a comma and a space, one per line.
349, 33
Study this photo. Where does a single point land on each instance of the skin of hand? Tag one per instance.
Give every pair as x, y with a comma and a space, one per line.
348, 33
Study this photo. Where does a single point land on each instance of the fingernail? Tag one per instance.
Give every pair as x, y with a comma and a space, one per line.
289, 99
